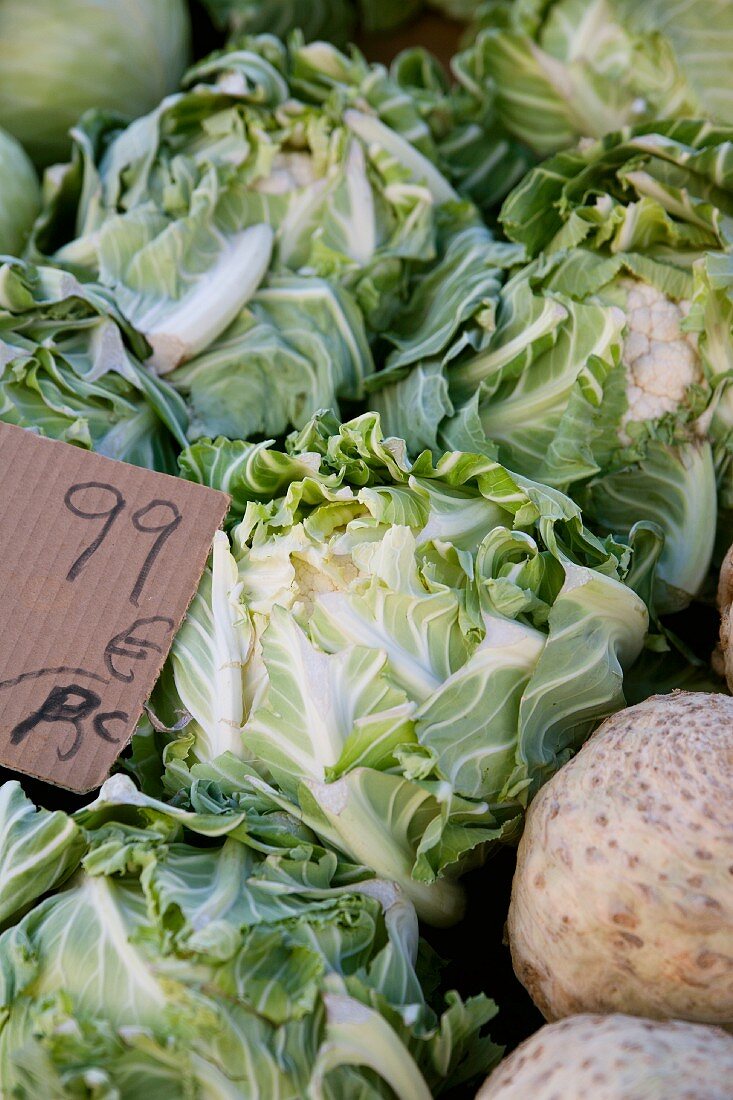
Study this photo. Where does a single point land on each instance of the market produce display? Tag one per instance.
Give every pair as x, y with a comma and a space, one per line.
457, 342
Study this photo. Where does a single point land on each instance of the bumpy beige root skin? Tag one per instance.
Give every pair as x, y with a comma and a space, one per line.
723, 656
616, 1058
622, 899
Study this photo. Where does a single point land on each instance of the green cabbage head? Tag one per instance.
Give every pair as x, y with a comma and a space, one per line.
333, 20
61, 59
400, 651
70, 369
258, 228
262, 966
554, 71
20, 195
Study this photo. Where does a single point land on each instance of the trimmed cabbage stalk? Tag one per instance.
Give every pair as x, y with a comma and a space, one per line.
60, 60
399, 653
602, 366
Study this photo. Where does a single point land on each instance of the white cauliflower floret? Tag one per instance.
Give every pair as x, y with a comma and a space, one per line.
315, 578
291, 170
661, 360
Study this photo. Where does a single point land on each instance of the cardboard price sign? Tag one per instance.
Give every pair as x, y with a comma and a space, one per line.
98, 564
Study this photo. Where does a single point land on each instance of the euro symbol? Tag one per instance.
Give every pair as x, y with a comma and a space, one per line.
135, 644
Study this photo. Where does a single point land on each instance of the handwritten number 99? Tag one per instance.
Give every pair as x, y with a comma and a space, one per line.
159, 518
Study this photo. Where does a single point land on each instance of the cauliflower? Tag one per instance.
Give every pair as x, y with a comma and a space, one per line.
661, 360
616, 1058
291, 170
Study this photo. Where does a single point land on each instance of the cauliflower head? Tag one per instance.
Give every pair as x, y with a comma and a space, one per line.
662, 361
